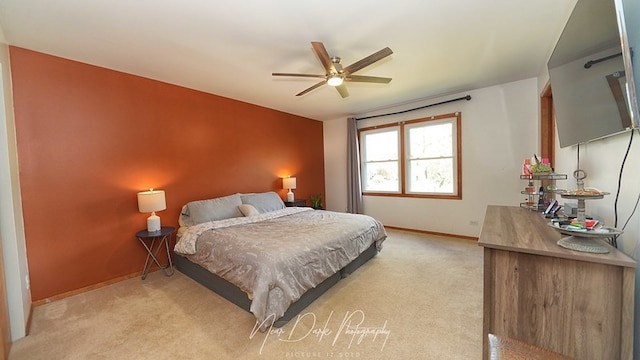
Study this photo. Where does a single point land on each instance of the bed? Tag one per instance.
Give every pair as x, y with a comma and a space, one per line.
269, 259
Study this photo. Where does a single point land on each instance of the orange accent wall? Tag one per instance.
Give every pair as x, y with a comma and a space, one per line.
90, 138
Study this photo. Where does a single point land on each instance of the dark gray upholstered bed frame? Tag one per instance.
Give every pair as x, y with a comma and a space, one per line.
232, 293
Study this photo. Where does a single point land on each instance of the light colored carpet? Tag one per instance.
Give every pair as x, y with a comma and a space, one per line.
420, 298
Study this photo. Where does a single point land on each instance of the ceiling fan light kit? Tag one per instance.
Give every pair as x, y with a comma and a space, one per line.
335, 74
335, 80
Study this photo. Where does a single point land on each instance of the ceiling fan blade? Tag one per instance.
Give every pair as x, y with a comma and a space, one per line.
368, 60
368, 79
312, 88
322, 53
342, 90
299, 75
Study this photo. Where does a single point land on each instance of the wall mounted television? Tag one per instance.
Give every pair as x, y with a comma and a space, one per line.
593, 72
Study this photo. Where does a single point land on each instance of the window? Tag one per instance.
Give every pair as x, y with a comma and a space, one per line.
419, 158
381, 150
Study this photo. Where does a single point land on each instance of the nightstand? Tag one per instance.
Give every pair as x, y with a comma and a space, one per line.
297, 202
163, 236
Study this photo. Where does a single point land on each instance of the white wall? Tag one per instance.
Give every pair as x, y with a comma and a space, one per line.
11, 222
602, 161
335, 164
499, 130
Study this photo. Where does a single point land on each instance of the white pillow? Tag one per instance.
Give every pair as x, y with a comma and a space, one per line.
248, 210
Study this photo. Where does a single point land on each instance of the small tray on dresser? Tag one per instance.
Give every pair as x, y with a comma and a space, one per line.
585, 240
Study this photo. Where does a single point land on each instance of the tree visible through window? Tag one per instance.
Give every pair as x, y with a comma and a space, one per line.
414, 158
382, 153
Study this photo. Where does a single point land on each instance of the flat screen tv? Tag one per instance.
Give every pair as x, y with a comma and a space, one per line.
593, 72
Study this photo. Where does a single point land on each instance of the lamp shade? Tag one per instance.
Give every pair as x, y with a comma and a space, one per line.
289, 183
151, 200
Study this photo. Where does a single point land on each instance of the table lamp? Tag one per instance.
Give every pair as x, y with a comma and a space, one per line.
152, 201
289, 183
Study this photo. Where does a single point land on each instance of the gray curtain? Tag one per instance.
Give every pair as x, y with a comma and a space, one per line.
354, 186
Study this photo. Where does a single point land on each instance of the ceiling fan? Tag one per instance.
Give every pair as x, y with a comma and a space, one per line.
336, 75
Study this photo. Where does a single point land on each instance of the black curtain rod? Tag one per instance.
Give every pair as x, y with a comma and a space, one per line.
468, 97
589, 63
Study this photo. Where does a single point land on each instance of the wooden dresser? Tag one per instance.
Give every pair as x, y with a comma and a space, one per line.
574, 303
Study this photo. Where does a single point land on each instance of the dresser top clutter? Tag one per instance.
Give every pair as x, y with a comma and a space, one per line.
516, 229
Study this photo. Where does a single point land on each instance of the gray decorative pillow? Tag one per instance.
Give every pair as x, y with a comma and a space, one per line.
183, 219
263, 202
212, 209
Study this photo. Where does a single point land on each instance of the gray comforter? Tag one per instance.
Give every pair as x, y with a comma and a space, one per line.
275, 257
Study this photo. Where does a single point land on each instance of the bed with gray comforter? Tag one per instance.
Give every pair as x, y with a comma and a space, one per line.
276, 254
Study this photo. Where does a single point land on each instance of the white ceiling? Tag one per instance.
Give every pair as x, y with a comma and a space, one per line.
230, 48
